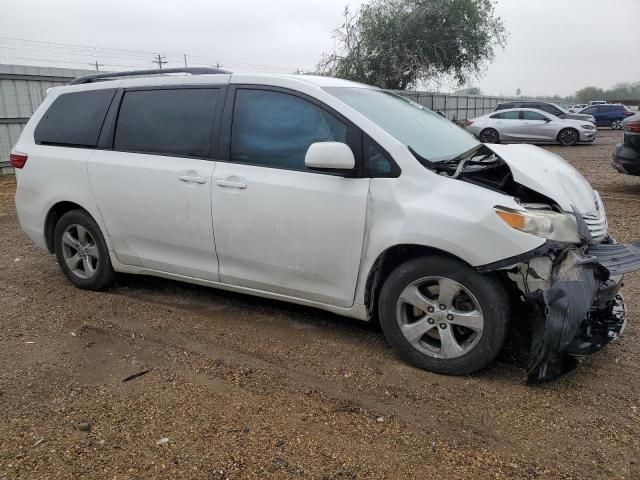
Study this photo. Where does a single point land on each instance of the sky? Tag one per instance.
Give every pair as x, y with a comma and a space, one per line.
554, 46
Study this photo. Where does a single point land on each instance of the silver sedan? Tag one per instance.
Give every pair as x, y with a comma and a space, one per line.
531, 126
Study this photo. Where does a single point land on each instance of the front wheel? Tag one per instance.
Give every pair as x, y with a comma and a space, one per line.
568, 137
444, 316
82, 252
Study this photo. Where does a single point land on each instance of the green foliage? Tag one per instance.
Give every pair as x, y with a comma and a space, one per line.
469, 91
589, 93
397, 43
621, 91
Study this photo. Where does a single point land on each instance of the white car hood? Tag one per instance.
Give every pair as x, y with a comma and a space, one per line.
548, 174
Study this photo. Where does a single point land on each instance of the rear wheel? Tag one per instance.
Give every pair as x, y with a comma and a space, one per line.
489, 135
568, 137
442, 315
616, 124
82, 252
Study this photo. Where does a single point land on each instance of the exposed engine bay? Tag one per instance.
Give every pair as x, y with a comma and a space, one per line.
571, 290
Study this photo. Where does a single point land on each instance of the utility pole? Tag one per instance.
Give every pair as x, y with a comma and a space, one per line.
160, 60
97, 65
185, 60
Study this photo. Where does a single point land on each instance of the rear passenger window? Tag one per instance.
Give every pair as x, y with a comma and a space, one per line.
75, 119
170, 122
507, 116
276, 129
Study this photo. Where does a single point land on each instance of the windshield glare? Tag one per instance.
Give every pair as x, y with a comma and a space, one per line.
430, 135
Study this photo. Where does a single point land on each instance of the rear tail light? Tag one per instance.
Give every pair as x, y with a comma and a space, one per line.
17, 160
468, 123
632, 127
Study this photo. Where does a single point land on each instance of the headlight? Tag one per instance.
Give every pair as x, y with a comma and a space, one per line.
560, 227
588, 126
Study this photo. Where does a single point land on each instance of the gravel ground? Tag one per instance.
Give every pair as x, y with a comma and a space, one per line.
240, 387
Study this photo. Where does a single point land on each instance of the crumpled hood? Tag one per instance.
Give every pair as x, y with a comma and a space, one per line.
548, 174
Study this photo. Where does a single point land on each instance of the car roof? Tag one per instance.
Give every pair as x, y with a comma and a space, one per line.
287, 80
521, 109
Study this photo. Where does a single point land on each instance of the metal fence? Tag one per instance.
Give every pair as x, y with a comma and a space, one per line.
22, 89
460, 107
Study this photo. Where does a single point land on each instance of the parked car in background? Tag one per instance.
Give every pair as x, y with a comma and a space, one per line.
626, 156
324, 192
597, 102
576, 108
551, 108
608, 115
532, 126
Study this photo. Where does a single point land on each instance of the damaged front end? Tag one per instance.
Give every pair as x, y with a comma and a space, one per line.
575, 306
573, 294
570, 286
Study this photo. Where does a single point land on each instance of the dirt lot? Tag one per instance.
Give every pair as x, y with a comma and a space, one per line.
247, 388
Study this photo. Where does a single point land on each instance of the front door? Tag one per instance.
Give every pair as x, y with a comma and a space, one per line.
536, 126
153, 189
278, 226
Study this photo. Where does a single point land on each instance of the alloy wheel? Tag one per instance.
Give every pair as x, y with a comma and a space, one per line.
489, 136
568, 137
80, 251
440, 317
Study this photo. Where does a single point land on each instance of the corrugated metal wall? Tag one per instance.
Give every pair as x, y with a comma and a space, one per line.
22, 89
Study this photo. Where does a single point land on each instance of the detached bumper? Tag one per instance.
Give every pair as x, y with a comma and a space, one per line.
575, 297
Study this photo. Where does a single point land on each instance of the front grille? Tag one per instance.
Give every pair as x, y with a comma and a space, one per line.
597, 224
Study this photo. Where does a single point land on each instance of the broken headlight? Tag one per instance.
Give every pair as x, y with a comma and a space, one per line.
560, 227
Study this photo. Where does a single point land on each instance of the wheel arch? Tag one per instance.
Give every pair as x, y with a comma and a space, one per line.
53, 215
387, 261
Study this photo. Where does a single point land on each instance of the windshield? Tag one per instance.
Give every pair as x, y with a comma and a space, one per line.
559, 108
431, 136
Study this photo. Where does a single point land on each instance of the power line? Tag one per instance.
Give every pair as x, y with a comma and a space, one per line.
119, 53
160, 60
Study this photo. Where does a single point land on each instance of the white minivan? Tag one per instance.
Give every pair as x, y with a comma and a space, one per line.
325, 193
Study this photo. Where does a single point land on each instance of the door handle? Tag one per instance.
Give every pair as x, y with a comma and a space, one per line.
230, 184
192, 179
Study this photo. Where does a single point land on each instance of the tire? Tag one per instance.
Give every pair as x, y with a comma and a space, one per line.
82, 252
489, 135
568, 137
616, 124
437, 278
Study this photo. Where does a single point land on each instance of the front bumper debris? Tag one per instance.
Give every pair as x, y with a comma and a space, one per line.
574, 297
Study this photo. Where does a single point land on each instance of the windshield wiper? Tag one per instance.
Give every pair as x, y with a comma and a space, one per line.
434, 166
448, 166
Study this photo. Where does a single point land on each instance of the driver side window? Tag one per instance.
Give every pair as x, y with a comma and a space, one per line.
533, 116
275, 129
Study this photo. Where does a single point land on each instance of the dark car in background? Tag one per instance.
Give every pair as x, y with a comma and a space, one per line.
626, 157
608, 115
551, 108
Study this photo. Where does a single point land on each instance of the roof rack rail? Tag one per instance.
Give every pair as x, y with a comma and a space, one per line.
138, 73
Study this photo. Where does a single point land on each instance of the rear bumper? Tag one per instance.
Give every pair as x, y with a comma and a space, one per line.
30, 208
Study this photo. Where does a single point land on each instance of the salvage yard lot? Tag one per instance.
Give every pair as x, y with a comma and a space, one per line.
242, 387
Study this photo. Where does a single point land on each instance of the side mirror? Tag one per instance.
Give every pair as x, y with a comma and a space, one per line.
547, 119
330, 155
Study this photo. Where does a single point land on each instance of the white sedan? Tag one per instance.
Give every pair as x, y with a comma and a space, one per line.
530, 126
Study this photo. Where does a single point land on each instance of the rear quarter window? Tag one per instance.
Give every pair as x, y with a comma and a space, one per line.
74, 119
